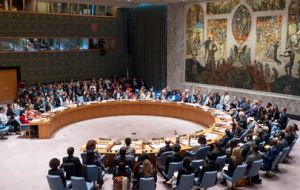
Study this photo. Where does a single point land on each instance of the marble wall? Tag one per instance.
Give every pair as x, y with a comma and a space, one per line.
176, 43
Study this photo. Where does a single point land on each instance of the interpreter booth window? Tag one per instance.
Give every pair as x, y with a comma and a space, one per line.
83, 43
21, 44
17, 5
109, 11
101, 10
6, 44
4, 5
55, 7
41, 6
29, 6
93, 9
54, 44
69, 44
73, 8
83, 9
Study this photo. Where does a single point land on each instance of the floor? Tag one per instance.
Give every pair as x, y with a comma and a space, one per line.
24, 162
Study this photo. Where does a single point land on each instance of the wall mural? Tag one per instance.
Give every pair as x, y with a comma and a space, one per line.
274, 67
221, 7
268, 33
241, 24
195, 30
266, 5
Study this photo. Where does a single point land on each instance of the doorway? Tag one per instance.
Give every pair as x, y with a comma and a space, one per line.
8, 84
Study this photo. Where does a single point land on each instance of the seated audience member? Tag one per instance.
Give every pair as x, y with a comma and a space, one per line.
241, 120
23, 117
251, 158
121, 177
246, 147
283, 118
11, 121
234, 160
270, 155
282, 142
72, 159
138, 165
289, 135
122, 158
54, 164
202, 143
91, 159
129, 149
209, 166
227, 137
10, 111
91, 147
218, 150
166, 148
185, 170
147, 171
175, 157
295, 129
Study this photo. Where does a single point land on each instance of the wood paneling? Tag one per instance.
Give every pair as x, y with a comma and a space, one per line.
8, 85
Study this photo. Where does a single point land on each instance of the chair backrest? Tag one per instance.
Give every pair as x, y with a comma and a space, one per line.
69, 168
250, 125
83, 157
221, 161
292, 146
162, 158
197, 163
147, 183
276, 161
284, 154
239, 172
78, 183
91, 173
173, 167
201, 153
55, 182
254, 169
209, 179
186, 182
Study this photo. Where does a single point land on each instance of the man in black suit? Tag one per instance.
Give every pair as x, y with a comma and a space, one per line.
227, 137
283, 118
73, 159
165, 148
122, 158
251, 158
175, 157
283, 143
210, 166
218, 149
241, 120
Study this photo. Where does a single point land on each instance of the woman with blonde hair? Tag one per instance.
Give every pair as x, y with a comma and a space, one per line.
234, 160
147, 171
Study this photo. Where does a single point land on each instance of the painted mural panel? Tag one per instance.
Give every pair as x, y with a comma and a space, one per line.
268, 33
241, 24
266, 5
195, 30
215, 45
221, 7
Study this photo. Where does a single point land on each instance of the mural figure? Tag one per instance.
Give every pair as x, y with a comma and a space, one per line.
268, 35
217, 32
241, 24
289, 66
266, 5
195, 30
221, 6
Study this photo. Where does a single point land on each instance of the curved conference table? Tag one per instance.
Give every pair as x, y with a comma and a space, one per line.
215, 121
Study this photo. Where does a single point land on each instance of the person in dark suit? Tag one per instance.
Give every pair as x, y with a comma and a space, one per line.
175, 157
283, 118
72, 159
289, 135
227, 137
185, 170
165, 148
218, 149
54, 164
210, 165
269, 157
241, 120
122, 158
283, 143
251, 158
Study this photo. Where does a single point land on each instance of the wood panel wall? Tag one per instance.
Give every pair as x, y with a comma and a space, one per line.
8, 85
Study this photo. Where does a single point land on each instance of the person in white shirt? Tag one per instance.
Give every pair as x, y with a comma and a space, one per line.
12, 122
225, 100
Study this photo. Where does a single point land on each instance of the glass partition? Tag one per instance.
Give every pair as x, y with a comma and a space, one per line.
73, 8
55, 7
33, 44
6, 45
101, 10
17, 5
41, 6
4, 5
83, 9
29, 6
